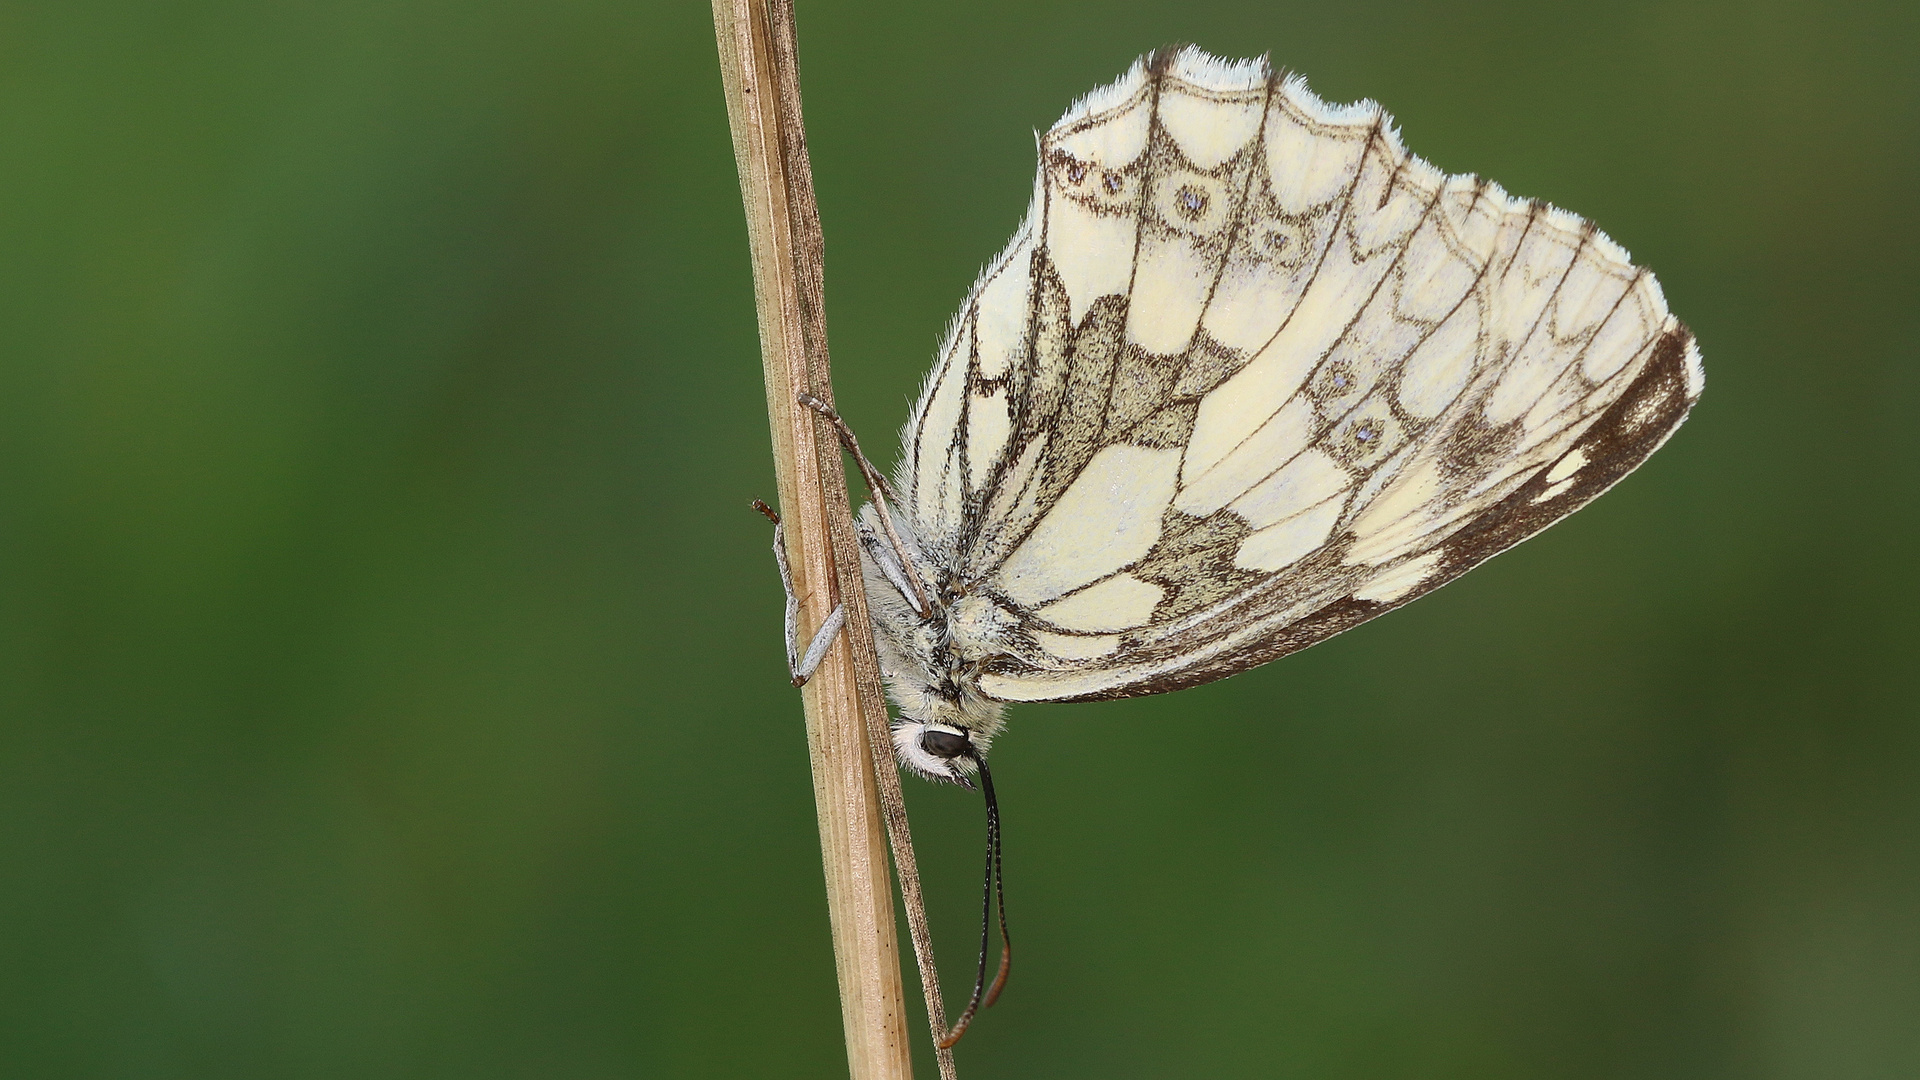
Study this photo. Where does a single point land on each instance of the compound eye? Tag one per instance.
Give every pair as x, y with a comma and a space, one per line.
945, 744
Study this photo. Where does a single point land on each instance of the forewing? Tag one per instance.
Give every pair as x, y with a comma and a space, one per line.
1251, 374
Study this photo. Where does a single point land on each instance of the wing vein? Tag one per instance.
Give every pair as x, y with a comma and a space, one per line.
1359, 313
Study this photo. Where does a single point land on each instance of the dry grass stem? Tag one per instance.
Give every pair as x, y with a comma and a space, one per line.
856, 787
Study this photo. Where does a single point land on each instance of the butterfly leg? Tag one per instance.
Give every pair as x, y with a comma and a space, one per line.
876, 482
881, 491
800, 666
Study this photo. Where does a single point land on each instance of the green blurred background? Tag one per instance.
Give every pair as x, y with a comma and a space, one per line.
390, 679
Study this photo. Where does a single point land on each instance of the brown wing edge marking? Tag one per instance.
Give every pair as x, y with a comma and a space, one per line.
1628, 433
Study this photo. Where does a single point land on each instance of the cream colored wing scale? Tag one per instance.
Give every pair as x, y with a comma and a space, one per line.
1250, 373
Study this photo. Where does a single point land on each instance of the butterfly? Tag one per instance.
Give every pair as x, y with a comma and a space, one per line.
1248, 375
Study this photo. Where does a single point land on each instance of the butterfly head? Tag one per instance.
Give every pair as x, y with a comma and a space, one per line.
944, 722
939, 752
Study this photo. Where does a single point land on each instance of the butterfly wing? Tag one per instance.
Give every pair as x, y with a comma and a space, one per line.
1251, 374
